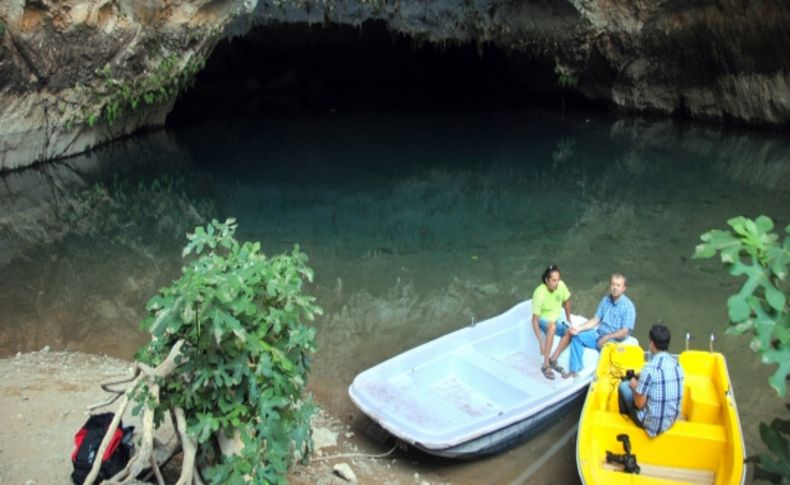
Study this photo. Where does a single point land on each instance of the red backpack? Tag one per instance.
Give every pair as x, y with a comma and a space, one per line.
87, 442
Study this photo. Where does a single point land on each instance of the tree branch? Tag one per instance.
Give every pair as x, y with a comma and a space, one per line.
190, 449
144, 456
106, 441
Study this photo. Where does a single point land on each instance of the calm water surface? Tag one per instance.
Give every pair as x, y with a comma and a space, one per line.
415, 224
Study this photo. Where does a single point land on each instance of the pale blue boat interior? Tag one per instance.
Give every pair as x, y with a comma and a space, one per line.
468, 383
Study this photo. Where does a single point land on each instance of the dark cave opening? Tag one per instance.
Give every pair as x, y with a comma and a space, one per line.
299, 67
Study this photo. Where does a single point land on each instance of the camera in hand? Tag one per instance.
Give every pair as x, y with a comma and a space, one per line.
630, 374
627, 460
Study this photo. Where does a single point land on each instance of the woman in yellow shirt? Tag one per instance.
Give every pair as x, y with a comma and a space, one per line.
549, 300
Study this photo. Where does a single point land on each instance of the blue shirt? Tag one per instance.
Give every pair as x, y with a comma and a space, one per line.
661, 380
614, 315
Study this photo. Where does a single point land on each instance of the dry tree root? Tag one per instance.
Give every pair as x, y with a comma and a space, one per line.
144, 459
189, 473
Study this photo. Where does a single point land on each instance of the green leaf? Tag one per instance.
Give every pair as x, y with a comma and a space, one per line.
762, 336
250, 309
764, 224
205, 426
702, 251
775, 442
738, 224
738, 309
778, 379
286, 364
775, 297
760, 472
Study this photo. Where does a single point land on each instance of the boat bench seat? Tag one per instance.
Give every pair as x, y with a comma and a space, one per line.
701, 402
691, 444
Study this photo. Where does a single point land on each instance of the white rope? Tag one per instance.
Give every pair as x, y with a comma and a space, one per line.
357, 455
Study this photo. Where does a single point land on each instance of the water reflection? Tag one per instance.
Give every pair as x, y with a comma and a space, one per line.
87, 241
415, 224
748, 158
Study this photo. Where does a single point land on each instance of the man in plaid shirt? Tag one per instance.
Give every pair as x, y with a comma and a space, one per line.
614, 320
653, 400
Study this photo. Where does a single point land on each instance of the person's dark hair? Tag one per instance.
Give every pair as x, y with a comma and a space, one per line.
660, 336
550, 269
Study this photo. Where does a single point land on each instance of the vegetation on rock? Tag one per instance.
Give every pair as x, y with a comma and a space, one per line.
162, 83
565, 79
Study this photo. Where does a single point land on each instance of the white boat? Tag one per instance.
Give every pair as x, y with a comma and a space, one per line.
472, 392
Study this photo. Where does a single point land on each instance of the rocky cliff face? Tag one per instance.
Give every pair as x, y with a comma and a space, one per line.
75, 73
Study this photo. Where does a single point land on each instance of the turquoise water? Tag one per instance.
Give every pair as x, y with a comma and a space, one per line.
415, 223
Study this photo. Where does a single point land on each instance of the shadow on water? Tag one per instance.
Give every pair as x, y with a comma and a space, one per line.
416, 224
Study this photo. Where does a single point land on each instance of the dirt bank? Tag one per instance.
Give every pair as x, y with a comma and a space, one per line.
44, 395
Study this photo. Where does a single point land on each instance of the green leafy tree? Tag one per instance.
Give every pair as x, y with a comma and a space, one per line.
760, 308
243, 356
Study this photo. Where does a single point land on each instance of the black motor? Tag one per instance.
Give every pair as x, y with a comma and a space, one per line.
627, 460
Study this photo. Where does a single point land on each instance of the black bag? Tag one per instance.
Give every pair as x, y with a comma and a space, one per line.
87, 442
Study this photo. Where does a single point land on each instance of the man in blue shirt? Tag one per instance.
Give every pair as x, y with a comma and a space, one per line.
614, 320
653, 400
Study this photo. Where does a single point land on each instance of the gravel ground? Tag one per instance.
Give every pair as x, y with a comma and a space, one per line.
44, 395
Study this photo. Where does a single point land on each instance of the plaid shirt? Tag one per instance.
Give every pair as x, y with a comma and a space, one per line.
661, 381
614, 315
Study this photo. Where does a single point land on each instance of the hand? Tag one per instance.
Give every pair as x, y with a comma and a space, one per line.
573, 331
602, 341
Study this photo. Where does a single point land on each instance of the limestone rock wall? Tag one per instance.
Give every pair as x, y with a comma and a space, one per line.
716, 60
75, 73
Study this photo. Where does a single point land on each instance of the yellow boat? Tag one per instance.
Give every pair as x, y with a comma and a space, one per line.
704, 446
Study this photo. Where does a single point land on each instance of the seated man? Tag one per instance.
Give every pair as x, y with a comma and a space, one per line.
653, 400
614, 320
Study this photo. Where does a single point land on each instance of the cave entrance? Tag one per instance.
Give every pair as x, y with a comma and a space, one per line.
300, 67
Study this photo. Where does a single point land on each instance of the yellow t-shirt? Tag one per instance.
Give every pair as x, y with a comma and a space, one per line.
548, 304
